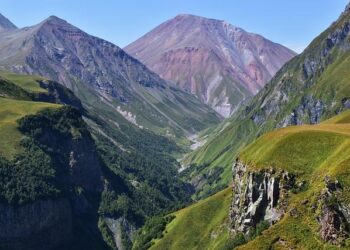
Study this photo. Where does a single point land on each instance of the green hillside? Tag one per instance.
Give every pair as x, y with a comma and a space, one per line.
310, 88
199, 226
10, 112
15, 103
27, 82
311, 153
138, 164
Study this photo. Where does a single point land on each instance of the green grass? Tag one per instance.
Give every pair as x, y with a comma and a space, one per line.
295, 149
311, 153
200, 226
27, 82
10, 112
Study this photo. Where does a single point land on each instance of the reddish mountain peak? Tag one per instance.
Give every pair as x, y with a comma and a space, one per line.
56, 22
224, 66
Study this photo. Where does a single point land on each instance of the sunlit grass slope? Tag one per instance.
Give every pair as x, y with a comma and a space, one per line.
16, 105
27, 82
311, 153
200, 226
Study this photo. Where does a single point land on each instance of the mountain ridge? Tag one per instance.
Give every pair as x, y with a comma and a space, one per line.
6, 24
220, 63
87, 64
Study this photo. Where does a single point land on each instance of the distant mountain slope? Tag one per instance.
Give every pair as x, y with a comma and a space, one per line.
5, 24
220, 63
101, 73
310, 88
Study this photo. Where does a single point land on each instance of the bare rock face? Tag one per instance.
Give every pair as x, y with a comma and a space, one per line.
36, 226
220, 63
117, 227
258, 196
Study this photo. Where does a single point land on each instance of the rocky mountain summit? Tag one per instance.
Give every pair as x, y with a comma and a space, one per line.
6, 24
220, 63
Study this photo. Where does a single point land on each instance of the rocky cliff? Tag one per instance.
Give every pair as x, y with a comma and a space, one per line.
258, 196
40, 225
265, 196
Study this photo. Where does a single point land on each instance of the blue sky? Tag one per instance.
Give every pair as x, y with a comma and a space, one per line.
293, 23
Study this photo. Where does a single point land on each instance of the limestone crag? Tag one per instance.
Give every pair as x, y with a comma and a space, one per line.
258, 196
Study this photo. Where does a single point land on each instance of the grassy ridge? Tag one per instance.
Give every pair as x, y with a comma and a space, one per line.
200, 226
27, 82
311, 153
17, 104
10, 112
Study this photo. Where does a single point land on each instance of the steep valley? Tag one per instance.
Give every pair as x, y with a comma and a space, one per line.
54, 168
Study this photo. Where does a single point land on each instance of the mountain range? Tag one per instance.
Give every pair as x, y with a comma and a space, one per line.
95, 148
223, 65
100, 72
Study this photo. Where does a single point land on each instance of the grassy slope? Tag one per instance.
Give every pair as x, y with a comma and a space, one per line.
13, 109
200, 226
331, 85
310, 152
27, 82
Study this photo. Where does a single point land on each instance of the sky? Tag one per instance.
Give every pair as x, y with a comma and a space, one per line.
293, 23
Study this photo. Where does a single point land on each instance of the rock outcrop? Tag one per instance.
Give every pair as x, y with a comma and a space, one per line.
263, 195
258, 196
334, 218
119, 227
